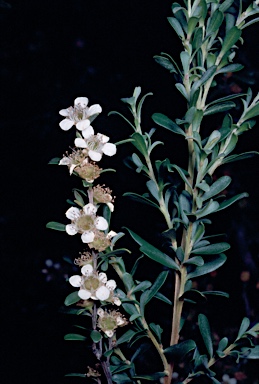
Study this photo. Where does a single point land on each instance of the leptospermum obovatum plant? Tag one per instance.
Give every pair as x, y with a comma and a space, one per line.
211, 33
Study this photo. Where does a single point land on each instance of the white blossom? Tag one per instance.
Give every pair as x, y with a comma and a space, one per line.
97, 145
85, 222
80, 115
93, 285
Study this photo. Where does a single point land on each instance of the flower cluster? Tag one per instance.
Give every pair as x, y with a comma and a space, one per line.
94, 285
90, 147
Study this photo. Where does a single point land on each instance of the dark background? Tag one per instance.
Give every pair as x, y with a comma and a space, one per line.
51, 53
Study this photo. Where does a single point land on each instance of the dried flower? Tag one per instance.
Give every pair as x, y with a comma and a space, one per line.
85, 221
73, 160
109, 321
101, 240
103, 195
80, 115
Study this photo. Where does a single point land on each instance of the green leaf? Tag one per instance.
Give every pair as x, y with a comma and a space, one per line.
211, 207
214, 22
72, 298
233, 199
219, 108
151, 377
152, 252
140, 143
182, 90
76, 375
212, 141
166, 63
218, 186
165, 122
232, 36
141, 199
128, 281
156, 286
55, 160
205, 77
141, 286
225, 5
157, 330
153, 189
177, 26
95, 336
56, 226
125, 337
209, 266
196, 260
223, 344
178, 351
243, 327
74, 336
231, 68
252, 112
185, 59
135, 316
254, 353
241, 156
161, 297
121, 378
181, 173
212, 249
205, 333
216, 293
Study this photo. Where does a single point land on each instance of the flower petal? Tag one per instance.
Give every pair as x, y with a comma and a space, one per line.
87, 269
65, 161
109, 333
110, 206
103, 138
89, 209
111, 285
111, 234
95, 156
120, 320
73, 213
101, 223
66, 124
103, 277
94, 109
83, 124
71, 229
109, 149
89, 131
117, 301
83, 101
80, 143
84, 294
102, 293
64, 112
87, 237
75, 280
100, 312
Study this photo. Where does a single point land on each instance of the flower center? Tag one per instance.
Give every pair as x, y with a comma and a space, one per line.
85, 223
93, 143
91, 283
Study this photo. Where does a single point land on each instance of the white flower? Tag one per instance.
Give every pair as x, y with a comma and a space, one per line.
85, 221
80, 115
93, 285
97, 145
